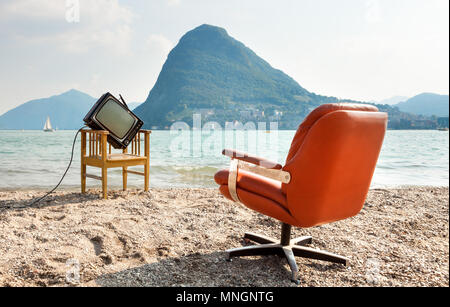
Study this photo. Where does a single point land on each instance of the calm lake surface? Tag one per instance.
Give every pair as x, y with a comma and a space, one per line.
37, 160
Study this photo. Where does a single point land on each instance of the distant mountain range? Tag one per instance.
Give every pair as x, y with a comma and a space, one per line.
427, 104
393, 100
66, 111
211, 73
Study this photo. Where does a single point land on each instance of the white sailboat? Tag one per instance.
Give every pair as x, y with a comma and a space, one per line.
48, 126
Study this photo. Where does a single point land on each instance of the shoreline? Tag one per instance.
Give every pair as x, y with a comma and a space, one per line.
177, 237
76, 188
92, 188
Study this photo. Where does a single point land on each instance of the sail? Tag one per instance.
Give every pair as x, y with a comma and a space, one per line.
48, 125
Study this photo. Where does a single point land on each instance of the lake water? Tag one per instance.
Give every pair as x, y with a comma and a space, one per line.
36, 160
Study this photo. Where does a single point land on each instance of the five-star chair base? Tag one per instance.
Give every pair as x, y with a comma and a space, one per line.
286, 248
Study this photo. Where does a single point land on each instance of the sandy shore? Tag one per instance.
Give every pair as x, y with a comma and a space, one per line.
177, 237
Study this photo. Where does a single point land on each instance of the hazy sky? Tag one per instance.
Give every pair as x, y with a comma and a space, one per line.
358, 49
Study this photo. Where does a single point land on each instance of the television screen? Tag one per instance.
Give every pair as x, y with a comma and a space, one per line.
110, 114
115, 118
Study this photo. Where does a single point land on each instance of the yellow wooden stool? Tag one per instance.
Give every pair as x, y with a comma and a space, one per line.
101, 156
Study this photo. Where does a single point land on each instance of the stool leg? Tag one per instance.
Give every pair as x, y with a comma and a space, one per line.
146, 176
83, 164
147, 162
83, 178
105, 182
124, 177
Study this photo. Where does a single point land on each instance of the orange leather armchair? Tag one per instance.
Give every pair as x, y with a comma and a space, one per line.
325, 179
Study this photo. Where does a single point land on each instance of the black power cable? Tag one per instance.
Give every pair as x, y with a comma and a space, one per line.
65, 173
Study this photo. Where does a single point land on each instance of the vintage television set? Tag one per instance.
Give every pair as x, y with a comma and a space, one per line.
112, 115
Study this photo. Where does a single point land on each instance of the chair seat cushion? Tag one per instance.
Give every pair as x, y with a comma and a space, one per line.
261, 204
255, 184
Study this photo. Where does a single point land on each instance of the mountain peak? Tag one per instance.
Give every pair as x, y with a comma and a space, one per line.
66, 111
208, 27
210, 69
205, 35
429, 94
206, 30
427, 104
73, 92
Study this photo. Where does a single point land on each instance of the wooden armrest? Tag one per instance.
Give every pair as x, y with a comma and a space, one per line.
275, 174
234, 154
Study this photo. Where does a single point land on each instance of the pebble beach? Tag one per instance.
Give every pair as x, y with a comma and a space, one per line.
177, 237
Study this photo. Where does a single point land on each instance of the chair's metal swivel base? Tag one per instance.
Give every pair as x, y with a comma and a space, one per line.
287, 248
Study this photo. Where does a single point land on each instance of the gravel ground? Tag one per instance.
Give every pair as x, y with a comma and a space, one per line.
176, 237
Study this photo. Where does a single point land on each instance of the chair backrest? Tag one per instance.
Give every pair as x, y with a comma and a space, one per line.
331, 161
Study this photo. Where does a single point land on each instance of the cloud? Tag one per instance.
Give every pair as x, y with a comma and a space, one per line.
32, 9
159, 43
102, 24
373, 11
173, 2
